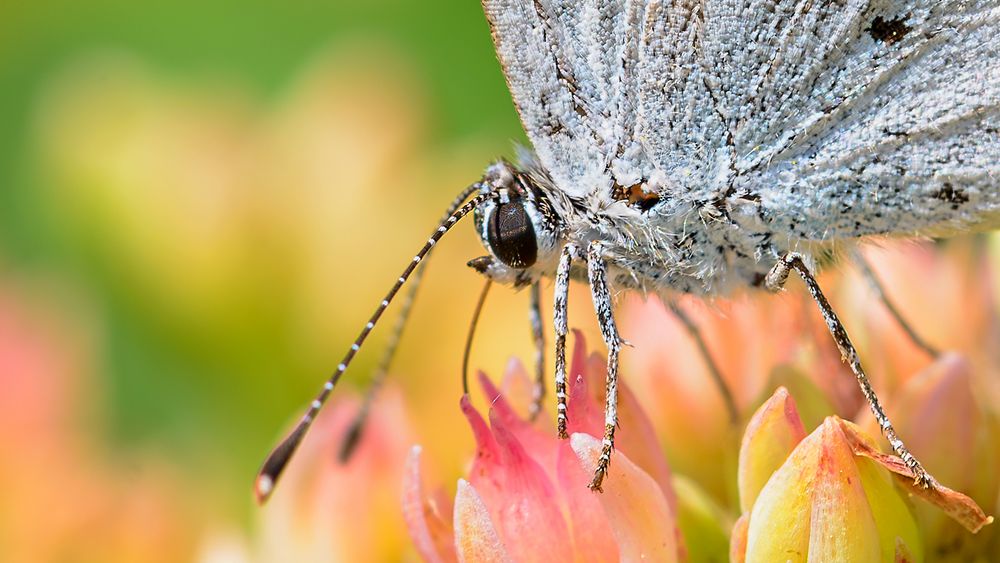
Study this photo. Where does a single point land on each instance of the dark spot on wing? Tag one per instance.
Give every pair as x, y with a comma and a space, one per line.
888, 31
950, 194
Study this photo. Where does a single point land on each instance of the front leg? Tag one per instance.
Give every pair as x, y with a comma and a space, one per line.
560, 325
601, 294
775, 280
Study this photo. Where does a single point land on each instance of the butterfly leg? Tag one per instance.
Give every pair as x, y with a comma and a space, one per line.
570, 252
706, 355
601, 294
538, 335
879, 289
775, 280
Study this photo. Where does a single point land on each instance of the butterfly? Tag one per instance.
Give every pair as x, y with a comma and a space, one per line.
704, 147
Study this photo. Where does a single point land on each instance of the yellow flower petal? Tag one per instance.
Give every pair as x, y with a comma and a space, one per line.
814, 507
476, 540
842, 526
772, 433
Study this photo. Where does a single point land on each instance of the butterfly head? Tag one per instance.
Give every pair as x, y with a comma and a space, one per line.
519, 228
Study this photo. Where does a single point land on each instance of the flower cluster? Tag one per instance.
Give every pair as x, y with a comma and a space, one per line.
806, 485
526, 496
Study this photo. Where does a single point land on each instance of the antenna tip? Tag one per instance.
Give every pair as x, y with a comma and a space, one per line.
262, 488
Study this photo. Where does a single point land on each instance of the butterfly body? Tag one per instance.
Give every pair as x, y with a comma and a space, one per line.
655, 243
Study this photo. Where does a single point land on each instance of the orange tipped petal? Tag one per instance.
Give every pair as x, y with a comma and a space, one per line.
476, 539
425, 519
961, 508
738, 539
779, 521
772, 433
637, 512
841, 523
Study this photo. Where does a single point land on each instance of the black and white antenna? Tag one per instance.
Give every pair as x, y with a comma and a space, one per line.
275, 463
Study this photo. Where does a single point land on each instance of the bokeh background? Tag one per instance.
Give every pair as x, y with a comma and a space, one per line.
200, 204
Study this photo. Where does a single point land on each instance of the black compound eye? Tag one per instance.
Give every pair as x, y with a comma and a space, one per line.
511, 235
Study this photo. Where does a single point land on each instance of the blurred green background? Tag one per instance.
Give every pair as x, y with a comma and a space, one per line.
200, 205
158, 209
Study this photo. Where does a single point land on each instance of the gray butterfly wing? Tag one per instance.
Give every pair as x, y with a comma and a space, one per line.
857, 118
576, 71
837, 119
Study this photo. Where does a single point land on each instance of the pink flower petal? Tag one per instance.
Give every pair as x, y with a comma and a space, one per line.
589, 527
540, 444
772, 433
585, 413
517, 386
431, 532
487, 451
637, 438
525, 507
638, 441
476, 539
637, 512
517, 492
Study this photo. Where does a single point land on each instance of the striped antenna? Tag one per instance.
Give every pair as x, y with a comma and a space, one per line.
275, 463
352, 437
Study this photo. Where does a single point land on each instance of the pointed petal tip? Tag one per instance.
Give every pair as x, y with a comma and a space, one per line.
773, 431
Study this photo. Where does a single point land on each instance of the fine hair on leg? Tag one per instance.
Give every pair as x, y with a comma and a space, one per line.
538, 336
601, 294
775, 281
561, 327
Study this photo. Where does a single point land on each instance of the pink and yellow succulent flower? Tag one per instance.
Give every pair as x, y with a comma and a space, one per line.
526, 498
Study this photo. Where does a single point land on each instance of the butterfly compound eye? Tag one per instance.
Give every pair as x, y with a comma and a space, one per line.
511, 235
